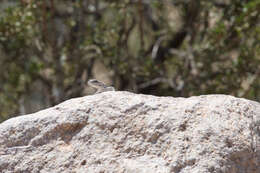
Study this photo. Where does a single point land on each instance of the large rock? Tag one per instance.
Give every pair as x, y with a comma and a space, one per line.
132, 133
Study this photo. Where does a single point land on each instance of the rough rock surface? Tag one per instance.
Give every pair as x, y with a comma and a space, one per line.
134, 133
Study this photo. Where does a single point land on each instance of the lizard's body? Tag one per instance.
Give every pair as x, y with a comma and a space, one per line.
100, 86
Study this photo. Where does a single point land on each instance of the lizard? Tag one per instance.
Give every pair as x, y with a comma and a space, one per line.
100, 86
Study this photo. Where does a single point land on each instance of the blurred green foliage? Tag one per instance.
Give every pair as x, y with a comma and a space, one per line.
176, 48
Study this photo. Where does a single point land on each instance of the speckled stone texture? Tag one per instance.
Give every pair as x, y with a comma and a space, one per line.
133, 133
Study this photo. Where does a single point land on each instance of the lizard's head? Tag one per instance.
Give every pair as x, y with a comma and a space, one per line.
95, 83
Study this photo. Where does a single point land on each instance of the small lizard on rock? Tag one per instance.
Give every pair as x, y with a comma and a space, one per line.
100, 86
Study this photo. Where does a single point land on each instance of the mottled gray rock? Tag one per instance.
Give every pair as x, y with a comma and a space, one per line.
134, 133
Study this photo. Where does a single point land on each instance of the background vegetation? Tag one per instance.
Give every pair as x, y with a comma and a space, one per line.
50, 48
